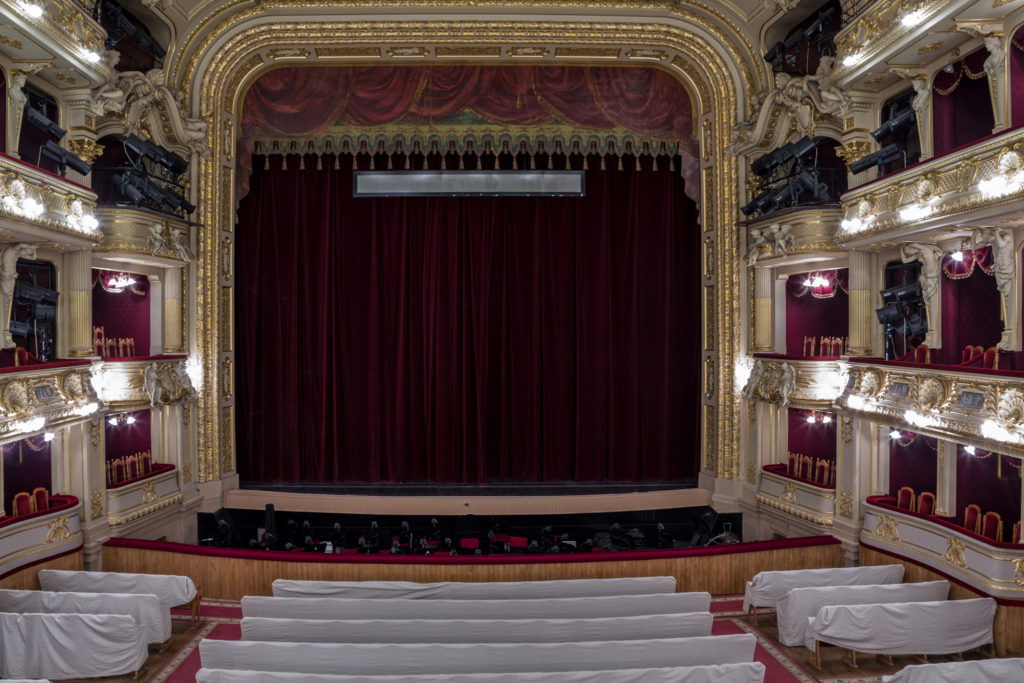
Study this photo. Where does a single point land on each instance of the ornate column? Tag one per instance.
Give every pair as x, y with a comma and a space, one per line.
995, 67
174, 341
763, 309
945, 486
78, 294
861, 312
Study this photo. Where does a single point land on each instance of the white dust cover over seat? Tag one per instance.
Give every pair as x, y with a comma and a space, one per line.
650, 626
766, 588
471, 658
747, 672
147, 610
70, 645
554, 608
800, 604
509, 590
906, 628
981, 671
173, 590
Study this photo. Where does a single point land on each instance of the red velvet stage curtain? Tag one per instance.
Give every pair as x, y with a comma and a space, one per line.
959, 112
467, 339
970, 304
913, 462
26, 465
990, 484
816, 312
125, 314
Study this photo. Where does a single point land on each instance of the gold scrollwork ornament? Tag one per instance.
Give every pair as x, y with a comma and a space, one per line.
58, 530
955, 552
886, 529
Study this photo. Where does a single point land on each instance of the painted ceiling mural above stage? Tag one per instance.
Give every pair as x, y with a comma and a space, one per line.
469, 110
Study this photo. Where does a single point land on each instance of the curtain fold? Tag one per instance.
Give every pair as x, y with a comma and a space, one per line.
467, 339
961, 104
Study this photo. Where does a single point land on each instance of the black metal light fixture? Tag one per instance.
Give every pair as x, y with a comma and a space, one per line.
63, 158
886, 155
35, 118
895, 123
767, 163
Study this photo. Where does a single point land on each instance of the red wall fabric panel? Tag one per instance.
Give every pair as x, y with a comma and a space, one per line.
817, 439
810, 316
26, 466
125, 314
914, 465
128, 439
995, 487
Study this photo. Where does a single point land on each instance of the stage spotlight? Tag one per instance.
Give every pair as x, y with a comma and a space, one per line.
889, 314
819, 24
895, 123
127, 187
754, 203
767, 163
917, 325
19, 329
64, 158
809, 182
35, 118
174, 164
775, 52
908, 292
793, 41
783, 195
880, 158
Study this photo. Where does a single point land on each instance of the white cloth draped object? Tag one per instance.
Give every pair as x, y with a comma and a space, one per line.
981, 671
800, 604
554, 608
23, 680
747, 672
172, 590
650, 626
153, 616
508, 590
70, 645
436, 658
767, 587
906, 628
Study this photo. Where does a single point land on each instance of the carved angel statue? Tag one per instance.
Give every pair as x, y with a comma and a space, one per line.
152, 385
108, 98
179, 242
758, 236
156, 241
995, 63
786, 384
922, 94
782, 237
826, 96
930, 257
756, 373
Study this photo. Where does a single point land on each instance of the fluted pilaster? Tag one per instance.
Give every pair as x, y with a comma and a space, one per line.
78, 278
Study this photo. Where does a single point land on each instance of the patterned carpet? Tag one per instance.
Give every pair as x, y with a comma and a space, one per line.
219, 619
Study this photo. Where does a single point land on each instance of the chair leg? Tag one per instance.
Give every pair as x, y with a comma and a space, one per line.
753, 613
817, 655
853, 658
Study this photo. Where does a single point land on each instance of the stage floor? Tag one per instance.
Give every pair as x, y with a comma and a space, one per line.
504, 499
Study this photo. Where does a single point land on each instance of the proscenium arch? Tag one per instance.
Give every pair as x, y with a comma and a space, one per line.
718, 68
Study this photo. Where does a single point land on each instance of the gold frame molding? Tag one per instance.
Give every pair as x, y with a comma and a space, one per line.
225, 52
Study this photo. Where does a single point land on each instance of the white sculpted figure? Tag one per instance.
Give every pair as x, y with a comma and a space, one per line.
786, 384
8, 276
155, 241
995, 63
152, 385
179, 242
758, 236
930, 257
782, 237
109, 98
1002, 255
755, 378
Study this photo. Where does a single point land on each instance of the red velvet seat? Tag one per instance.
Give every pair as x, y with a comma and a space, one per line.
906, 499
1016, 532
22, 504
793, 466
469, 543
926, 503
40, 499
990, 359
992, 526
146, 461
518, 543
972, 518
821, 472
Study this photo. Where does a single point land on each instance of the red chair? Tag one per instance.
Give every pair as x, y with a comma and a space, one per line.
990, 359
133, 467
119, 471
922, 354
821, 472
146, 460
469, 543
1016, 532
807, 471
992, 526
22, 504
906, 499
793, 465
517, 544
972, 518
41, 499
926, 503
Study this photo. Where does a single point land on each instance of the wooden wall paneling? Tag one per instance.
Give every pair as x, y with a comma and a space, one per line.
28, 577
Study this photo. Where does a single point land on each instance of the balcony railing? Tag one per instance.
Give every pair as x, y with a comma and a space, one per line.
802, 499
33, 538
42, 199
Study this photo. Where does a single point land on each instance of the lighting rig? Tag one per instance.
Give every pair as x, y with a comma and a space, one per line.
901, 117
151, 178
778, 52
50, 149
903, 306
782, 189
125, 33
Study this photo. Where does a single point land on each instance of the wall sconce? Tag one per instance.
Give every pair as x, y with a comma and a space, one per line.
121, 419
819, 418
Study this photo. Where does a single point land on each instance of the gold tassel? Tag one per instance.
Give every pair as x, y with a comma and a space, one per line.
355, 166
654, 166
266, 163
373, 162
533, 164
515, 162
337, 166
284, 162
319, 162
462, 163
302, 162
638, 163
478, 162
407, 161
672, 164
549, 161
390, 164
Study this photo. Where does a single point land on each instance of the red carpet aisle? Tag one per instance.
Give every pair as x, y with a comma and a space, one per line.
220, 620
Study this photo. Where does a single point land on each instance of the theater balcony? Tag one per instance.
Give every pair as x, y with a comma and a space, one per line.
987, 567
59, 36
40, 536
976, 406
802, 235
141, 236
49, 395
39, 206
979, 183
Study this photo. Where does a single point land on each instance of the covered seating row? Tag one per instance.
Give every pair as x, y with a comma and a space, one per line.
767, 588
981, 671
500, 590
904, 628
169, 589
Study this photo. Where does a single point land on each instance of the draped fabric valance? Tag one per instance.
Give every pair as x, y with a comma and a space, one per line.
835, 280
964, 268
466, 108
971, 66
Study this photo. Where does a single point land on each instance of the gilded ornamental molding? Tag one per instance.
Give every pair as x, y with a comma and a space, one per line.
796, 383
801, 232
34, 399
132, 232
978, 409
65, 27
42, 201
809, 503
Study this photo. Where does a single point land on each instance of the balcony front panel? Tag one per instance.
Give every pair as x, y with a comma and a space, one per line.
40, 536
144, 382
804, 234
65, 32
814, 504
38, 205
992, 569
142, 236
982, 409
799, 383
132, 501
50, 396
